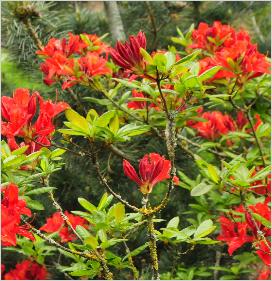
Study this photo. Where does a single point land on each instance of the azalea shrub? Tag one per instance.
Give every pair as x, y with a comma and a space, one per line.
205, 98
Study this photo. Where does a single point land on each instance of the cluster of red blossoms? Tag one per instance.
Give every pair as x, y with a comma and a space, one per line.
57, 224
236, 233
219, 124
75, 60
19, 112
232, 50
153, 169
27, 270
11, 210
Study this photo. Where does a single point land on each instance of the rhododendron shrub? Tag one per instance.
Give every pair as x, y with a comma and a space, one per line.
199, 101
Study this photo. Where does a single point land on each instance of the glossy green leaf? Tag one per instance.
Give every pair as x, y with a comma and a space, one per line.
201, 189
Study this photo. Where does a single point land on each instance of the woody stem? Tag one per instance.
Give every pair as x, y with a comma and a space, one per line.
153, 248
33, 33
105, 182
56, 244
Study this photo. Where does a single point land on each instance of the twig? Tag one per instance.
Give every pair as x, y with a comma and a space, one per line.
33, 33
133, 268
105, 182
55, 243
255, 136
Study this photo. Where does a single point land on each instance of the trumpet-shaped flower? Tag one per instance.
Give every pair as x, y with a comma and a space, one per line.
153, 168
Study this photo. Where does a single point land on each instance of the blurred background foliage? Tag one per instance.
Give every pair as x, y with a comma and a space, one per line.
20, 68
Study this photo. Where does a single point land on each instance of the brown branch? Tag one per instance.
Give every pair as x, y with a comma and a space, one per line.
33, 33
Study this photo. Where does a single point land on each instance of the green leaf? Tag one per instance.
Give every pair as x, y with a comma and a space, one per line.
119, 212
40, 190
208, 74
136, 251
201, 189
213, 173
262, 220
92, 241
82, 232
173, 223
261, 174
105, 201
34, 204
114, 124
105, 118
20, 150
204, 229
146, 56
78, 120
86, 204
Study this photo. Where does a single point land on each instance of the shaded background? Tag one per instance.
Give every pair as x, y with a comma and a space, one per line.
20, 68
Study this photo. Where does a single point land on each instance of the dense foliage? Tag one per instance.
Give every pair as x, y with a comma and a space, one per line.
138, 162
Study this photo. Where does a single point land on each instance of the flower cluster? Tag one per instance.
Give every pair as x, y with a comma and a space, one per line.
75, 60
219, 124
57, 224
27, 270
232, 50
153, 169
11, 210
236, 233
19, 112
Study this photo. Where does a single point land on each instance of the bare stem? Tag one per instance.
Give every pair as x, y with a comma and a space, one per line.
105, 182
153, 248
55, 243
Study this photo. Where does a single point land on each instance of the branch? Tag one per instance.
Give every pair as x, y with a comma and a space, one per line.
55, 243
105, 182
33, 33
255, 136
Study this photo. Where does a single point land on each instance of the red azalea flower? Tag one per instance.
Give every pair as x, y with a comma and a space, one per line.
264, 252
153, 169
211, 38
139, 104
93, 65
74, 45
217, 124
56, 224
241, 120
128, 55
230, 49
19, 111
27, 270
233, 233
11, 210
264, 211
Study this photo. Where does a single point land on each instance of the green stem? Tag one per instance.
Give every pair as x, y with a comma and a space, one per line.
255, 136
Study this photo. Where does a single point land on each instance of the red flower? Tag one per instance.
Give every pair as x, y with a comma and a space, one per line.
234, 234
230, 49
63, 58
128, 55
12, 208
264, 211
265, 273
93, 65
57, 224
217, 124
211, 38
74, 45
19, 112
264, 252
27, 270
153, 169
138, 104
